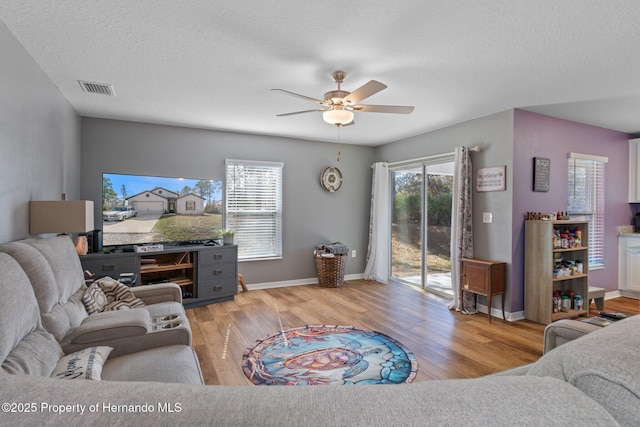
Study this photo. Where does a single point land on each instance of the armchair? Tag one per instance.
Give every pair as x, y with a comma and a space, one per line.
565, 330
54, 270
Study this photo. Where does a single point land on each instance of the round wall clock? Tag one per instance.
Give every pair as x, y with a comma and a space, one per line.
331, 179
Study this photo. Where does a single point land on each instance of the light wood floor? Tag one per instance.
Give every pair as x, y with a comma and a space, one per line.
446, 344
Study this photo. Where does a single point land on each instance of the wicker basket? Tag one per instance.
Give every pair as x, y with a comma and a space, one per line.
330, 270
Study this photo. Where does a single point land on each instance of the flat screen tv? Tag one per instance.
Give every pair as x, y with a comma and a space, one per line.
139, 209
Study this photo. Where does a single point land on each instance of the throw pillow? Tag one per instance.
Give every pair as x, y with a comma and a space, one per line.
94, 299
85, 364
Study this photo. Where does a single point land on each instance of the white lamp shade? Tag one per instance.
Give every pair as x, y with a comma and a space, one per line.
338, 116
60, 216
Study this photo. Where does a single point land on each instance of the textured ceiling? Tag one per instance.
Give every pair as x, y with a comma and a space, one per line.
211, 64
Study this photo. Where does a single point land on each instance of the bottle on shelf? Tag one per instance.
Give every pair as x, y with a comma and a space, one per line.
557, 240
556, 302
570, 294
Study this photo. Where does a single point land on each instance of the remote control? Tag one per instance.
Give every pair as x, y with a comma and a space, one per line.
615, 316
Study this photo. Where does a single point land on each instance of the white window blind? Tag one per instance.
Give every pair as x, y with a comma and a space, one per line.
585, 200
254, 207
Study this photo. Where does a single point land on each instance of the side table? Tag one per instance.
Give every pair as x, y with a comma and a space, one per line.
483, 277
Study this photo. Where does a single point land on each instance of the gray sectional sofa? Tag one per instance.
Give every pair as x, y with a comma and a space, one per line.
36, 330
55, 273
590, 381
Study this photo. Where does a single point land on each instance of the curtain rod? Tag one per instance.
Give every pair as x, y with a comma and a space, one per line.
434, 158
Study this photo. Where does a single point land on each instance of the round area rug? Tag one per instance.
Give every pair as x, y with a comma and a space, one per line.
322, 354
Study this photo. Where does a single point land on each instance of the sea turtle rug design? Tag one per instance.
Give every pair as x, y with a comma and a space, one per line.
324, 354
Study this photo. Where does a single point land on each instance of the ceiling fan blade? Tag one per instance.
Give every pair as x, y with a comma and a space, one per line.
397, 109
308, 98
301, 112
364, 91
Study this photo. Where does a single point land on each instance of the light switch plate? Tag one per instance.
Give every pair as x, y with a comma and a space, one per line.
487, 217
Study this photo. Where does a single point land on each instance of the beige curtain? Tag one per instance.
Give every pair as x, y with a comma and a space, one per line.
461, 226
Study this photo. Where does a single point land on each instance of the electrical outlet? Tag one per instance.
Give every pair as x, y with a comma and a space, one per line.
487, 217
353, 253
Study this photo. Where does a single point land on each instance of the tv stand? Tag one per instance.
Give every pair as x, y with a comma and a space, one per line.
206, 274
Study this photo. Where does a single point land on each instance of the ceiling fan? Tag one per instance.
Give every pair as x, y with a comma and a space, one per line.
338, 105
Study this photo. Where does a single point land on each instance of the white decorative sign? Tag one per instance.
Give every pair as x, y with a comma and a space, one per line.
148, 248
491, 179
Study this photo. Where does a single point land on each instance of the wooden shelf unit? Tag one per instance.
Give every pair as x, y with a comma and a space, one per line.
540, 258
168, 267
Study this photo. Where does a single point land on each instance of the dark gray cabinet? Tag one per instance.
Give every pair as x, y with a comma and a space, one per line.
206, 274
217, 272
113, 266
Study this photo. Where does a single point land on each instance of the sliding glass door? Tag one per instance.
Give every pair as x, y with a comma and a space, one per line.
406, 225
421, 224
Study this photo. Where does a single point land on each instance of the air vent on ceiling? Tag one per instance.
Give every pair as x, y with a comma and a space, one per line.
97, 88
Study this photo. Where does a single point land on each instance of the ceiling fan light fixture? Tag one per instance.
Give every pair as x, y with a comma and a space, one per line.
338, 116
338, 105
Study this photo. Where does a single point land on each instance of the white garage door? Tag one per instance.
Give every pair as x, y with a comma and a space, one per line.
148, 207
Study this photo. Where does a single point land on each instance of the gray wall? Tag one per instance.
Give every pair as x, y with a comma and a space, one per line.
494, 134
311, 215
39, 139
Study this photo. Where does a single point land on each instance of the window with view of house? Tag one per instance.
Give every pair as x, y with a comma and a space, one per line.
585, 200
254, 207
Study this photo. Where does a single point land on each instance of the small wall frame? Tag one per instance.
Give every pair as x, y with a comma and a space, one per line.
491, 179
541, 172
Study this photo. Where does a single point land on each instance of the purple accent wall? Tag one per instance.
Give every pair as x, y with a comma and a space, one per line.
536, 135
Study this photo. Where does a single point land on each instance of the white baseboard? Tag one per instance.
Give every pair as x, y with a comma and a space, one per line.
512, 317
497, 313
616, 294
519, 315
297, 282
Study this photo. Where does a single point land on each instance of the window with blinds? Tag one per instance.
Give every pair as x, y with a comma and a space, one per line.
254, 207
585, 200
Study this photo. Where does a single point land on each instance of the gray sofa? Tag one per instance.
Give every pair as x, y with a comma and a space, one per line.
593, 380
565, 330
55, 273
28, 349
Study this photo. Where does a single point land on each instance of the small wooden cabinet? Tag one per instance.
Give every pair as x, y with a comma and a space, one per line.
483, 277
